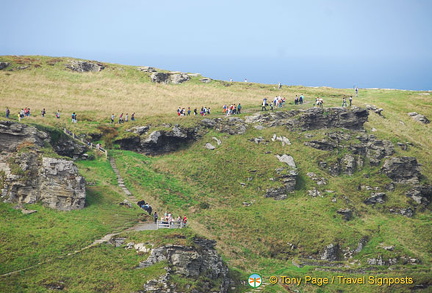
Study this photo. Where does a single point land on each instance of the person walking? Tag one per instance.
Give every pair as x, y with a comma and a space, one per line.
344, 103
156, 217
7, 112
350, 101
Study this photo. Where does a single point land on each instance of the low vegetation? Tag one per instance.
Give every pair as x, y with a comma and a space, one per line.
220, 191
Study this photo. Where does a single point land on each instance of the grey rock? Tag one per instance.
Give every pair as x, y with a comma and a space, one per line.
405, 170
4, 65
179, 78
289, 160
419, 117
376, 198
218, 141
209, 146
362, 243
200, 260
276, 193
146, 69
324, 144
331, 253
313, 118
84, 66
160, 77
421, 194
283, 139
346, 213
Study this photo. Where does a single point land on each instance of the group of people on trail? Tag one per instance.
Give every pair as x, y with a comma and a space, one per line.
123, 118
232, 109
167, 217
181, 111
278, 102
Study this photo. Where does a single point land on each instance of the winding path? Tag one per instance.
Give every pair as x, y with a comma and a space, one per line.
106, 238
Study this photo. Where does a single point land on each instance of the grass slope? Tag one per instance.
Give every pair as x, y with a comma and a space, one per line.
210, 186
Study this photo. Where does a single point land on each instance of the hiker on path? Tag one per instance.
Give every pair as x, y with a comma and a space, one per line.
155, 216
43, 112
350, 100
344, 103
74, 118
7, 112
133, 116
112, 118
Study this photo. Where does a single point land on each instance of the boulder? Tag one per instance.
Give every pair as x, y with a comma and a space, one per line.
84, 66
160, 77
179, 78
209, 146
405, 170
419, 117
376, 198
287, 160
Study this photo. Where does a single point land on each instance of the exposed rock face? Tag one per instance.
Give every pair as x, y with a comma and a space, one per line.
13, 135
404, 170
54, 182
26, 176
84, 66
160, 141
421, 194
314, 118
199, 261
232, 125
61, 187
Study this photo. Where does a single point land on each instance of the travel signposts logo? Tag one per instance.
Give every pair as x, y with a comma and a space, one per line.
254, 280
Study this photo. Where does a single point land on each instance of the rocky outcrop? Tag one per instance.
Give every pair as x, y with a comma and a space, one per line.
158, 141
84, 66
231, 125
4, 65
16, 135
147, 69
419, 117
405, 170
287, 176
27, 176
192, 263
174, 78
313, 118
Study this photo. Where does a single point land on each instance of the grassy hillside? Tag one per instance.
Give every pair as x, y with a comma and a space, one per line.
272, 238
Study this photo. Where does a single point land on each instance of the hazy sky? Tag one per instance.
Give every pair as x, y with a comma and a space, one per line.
340, 43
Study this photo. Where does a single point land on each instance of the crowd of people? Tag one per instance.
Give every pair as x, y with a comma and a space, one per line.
123, 118
232, 109
181, 111
166, 219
